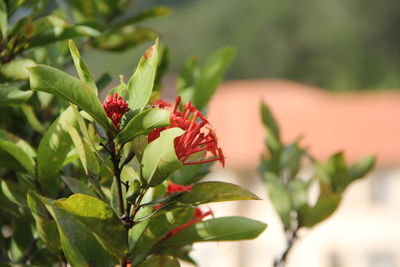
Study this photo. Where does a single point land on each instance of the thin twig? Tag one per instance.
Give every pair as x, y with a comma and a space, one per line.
281, 262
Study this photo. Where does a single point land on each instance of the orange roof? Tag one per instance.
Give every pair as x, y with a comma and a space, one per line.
360, 123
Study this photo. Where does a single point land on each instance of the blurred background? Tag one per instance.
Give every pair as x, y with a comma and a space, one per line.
330, 71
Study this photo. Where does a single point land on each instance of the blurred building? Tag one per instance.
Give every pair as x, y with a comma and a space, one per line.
364, 231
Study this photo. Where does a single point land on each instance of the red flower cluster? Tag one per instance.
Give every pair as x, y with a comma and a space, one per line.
115, 107
198, 214
198, 136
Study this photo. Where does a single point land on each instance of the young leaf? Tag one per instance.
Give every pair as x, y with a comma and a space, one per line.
53, 81
219, 229
361, 168
211, 76
10, 95
215, 192
160, 261
100, 219
269, 122
19, 154
159, 157
144, 123
141, 83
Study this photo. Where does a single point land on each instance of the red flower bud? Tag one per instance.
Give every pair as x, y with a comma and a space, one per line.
115, 107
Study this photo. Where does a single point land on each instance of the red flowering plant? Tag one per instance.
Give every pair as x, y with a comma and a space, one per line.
137, 198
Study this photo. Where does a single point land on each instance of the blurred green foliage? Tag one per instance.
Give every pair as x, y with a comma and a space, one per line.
338, 44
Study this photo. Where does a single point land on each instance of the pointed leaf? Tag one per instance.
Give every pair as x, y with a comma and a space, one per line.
219, 229
149, 13
53, 81
325, 207
159, 157
19, 154
144, 123
32, 118
141, 83
16, 70
100, 219
212, 75
361, 168
81, 67
215, 192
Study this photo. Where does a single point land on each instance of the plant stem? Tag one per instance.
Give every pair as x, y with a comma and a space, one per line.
281, 262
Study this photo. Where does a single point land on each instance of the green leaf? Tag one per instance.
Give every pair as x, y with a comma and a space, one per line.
19, 154
53, 81
324, 207
79, 244
212, 75
160, 261
3, 20
269, 122
54, 147
81, 67
144, 123
157, 228
191, 174
141, 83
32, 119
10, 95
77, 186
100, 219
121, 39
207, 192
14, 192
149, 13
361, 168
279, 197
16, 70
59, 33
86, 155
219, 229
159, 157
45, 225
188, 75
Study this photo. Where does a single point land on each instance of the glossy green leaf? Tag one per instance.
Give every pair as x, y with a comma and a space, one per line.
279, 197
361, 168
78, 242
324, 207
81, 67
14, 192
149, 13
3, 20
54, 147
88, 158
78, 187
144, 123
212, 75
157, 228
100, 219
16, 69
59, 33
160, 261
141, 83
45, 225
191, 174
10, 95
219, 229
53, 81
159, 157
121, 39
207, 192
32, 118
